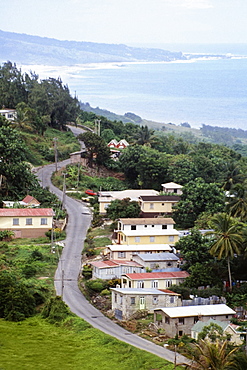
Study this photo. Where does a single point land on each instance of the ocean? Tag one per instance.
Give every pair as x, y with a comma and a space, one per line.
211, 91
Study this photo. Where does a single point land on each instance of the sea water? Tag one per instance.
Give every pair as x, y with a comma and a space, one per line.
210, 91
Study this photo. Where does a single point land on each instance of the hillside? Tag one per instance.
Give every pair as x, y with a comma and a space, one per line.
27, 49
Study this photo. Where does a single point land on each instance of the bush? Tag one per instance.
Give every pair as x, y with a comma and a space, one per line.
55, 310
96, 286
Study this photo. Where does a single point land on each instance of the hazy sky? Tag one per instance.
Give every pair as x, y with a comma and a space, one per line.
129, 21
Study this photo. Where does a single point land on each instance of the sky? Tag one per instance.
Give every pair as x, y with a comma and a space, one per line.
132, 22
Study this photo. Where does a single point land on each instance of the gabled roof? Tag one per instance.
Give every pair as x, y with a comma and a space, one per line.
114, 263
171, 185
29, 198
200, 310
147, 221
157, 275
158, 257
160, 198
26, 212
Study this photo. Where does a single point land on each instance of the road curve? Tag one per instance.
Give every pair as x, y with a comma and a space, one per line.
79, 219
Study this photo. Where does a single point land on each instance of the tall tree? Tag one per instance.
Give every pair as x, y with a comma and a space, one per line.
227, 238
97, 150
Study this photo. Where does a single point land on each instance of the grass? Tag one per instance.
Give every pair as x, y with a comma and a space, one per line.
36, 344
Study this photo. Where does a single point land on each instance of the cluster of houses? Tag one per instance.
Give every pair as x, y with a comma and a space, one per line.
144, 257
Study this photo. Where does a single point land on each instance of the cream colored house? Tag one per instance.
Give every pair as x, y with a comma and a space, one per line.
159, 205
145, 231
172, 187
180, 320
26, 222
127, 252
157, 280
237, 336
9, 114
126, 302
106, 197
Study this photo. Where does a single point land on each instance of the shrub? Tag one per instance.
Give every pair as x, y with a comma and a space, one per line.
95, 286
55, 310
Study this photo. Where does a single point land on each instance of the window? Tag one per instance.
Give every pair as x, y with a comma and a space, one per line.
163, 204
121, 254
145, 225
168, 264
140, 284
195, 319
137, 239
43, 221
152, 239
167, 320
132, 300
171, 238
172, 299
155, 284
181, 320
152, 225
133, 227
29, 221
142, 300
115, 298
155, 299
164, 226
121, 299
168, 283
151, 206
129, 284
15, 221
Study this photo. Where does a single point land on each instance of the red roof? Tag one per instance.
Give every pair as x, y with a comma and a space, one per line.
26, 212
113, 263
157, 275
29, 199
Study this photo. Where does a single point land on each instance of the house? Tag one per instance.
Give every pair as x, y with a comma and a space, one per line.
180, 320
145, 231
127, 252
9, 114
111, 269
172, 187
28, 201
158, 261
106, 197
114, 144
79, 157
126, 302
158, 280
237, 336
159, 205
26, 222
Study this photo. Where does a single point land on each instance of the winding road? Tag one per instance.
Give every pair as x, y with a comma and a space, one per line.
66, 276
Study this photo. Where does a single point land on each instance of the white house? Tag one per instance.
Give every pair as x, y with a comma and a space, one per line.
111, 269
172, 187
9, 114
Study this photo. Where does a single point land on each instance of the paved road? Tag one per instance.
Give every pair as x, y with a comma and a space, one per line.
79, 219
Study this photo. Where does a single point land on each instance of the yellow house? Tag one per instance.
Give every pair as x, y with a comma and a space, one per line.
145, 231
159, 205
106, 197
26, 222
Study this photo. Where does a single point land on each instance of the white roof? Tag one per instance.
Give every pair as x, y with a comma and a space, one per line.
171, 185
141, 291
133, 194
158, 257
139, 247
200, 310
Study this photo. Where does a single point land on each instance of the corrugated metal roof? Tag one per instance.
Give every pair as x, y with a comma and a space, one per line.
158, 257
201, 310
114, 263
26, 212
29, 198
160, 198
147, 221
139, 247
201, 324
157, 275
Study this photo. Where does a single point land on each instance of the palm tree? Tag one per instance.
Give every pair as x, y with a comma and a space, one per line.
237, 204
227, 238
214, 356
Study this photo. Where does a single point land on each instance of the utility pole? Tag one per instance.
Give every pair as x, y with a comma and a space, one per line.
64, 189
55, 151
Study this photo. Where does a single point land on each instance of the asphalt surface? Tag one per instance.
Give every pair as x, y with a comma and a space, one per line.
66, 276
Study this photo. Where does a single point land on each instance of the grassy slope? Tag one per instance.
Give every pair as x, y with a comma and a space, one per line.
36, 344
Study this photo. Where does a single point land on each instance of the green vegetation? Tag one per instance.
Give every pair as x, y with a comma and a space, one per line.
72, 345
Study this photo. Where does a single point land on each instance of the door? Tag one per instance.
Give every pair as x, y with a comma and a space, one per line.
142, 303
